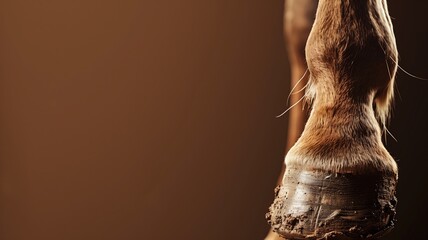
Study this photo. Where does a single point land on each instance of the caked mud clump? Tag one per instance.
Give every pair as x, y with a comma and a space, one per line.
321, 206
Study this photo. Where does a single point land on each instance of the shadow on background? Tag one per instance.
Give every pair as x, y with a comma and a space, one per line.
156, 120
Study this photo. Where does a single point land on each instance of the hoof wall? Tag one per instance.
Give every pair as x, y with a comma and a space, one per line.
322, 205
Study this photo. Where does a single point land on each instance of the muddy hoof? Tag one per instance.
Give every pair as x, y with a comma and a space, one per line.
321, 205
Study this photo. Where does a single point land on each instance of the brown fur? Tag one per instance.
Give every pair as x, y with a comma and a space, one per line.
352, 56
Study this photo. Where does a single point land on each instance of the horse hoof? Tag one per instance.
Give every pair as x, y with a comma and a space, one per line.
321, 205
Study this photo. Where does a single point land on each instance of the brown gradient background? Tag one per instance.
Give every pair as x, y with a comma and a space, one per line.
156, 119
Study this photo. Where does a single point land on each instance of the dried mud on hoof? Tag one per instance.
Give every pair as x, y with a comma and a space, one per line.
319, 205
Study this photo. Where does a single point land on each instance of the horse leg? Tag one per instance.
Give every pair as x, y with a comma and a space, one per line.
340, 180
298, 19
